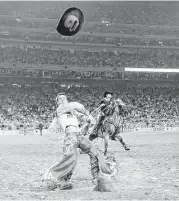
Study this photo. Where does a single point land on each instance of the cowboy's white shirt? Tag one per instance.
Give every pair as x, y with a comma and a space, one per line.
71, 119
65, 120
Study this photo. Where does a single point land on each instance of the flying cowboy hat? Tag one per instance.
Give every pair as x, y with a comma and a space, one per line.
71, 22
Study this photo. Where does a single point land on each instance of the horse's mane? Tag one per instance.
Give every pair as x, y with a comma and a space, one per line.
116, 113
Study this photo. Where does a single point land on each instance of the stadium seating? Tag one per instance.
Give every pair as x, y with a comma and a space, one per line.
82, 58
149, 106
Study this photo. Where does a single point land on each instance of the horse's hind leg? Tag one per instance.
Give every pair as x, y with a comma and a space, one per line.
120, 139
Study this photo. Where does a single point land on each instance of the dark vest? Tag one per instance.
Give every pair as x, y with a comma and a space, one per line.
107, 108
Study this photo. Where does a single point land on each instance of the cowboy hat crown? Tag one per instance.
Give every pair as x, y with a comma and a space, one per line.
70, 22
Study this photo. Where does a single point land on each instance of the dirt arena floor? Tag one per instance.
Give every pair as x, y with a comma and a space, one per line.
149, 171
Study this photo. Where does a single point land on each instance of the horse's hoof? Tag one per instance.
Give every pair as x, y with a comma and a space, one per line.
127, 148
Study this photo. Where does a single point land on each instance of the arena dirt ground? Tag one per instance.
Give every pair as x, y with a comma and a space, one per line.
149, 171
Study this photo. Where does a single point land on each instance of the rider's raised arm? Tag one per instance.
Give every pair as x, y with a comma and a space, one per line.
101, 103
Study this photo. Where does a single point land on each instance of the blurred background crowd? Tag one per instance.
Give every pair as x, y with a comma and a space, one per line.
148, 105
165, 13
82, 58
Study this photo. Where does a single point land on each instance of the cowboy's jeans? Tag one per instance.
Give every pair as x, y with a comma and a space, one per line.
63, 169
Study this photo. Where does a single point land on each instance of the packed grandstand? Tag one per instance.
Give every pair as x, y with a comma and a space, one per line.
35, 60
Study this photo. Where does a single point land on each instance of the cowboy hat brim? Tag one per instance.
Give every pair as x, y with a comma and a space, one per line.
61, 29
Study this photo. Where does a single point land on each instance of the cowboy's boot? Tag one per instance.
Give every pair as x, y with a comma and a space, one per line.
66, 184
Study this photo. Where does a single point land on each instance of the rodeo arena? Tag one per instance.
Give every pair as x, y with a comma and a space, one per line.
89, 100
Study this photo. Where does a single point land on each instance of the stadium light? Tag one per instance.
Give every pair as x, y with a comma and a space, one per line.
152, 70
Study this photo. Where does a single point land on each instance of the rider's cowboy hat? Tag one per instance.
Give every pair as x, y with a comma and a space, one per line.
71, 22
106, 93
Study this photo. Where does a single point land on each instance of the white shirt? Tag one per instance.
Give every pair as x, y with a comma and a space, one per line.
64, 119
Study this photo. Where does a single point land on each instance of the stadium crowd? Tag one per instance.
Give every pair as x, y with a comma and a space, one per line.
94, 37
148, 105
120, 12
84, 58
142, 16
35, 26
55, 75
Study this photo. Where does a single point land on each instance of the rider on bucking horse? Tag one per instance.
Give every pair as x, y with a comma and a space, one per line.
105, 106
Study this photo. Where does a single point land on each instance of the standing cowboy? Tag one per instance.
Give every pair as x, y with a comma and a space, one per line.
68, 119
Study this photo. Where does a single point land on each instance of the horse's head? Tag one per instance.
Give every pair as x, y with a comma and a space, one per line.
119, 106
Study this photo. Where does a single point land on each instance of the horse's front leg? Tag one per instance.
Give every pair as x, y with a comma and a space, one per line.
120, 139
